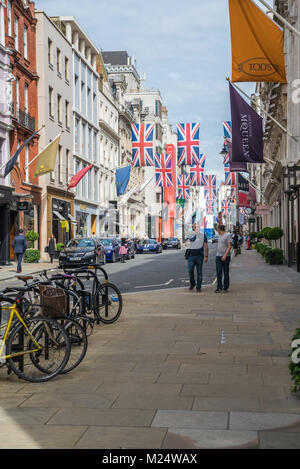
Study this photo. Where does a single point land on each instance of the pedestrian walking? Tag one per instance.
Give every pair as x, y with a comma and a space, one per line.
123, 252
197, 253
235, 242
51, 247
223, 259
19, 245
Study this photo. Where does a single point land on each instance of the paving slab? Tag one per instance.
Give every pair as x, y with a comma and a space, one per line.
121, 438
227, 404
85, 401
262, 421
128, 401
103, 417
40, 436
182, 438
190, 419
279, 440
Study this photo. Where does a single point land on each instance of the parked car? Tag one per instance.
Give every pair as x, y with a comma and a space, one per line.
149, 245
112, 249
82, 251
171, 243
130, 248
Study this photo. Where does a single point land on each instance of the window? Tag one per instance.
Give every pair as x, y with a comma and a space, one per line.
77, 93
66, 69
67, 165
49, 52
60, 164
16, 26
96, 186
9, 17
58, 57
67, 118
89, 104
17, 94
26, 162
95, 147
50, 101
90, 147
59, 118
77, 139
2, 33
26, 88
90, 185
25, 42
83, 146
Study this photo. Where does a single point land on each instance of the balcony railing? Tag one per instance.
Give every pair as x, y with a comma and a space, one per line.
23, 118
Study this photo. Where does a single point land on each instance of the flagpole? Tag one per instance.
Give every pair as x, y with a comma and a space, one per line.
264, 111
283, 20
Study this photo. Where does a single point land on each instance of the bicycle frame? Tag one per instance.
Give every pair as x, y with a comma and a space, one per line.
14, 312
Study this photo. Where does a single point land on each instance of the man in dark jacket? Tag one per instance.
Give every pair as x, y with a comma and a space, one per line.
19, 245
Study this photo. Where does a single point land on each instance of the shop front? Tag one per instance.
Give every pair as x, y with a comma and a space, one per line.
87, 220
292, 203
6, 200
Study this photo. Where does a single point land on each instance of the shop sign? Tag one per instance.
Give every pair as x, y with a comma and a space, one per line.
262, 209
82, 207
21, 206
65, 225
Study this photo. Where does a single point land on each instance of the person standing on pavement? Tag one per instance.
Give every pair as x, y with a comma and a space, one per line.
223, 259
19, 245
198, 252
235, 242
123, 252
51, 247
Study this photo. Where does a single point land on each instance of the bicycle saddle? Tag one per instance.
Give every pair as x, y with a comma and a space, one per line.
24, 278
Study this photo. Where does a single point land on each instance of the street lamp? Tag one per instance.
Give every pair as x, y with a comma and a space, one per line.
224, 151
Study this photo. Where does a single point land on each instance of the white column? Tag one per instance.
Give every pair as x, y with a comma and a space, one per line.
76, 40
69, 32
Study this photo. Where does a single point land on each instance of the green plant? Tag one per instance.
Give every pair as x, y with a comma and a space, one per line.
32, 255
265, 233
293, 366
278, 255
32, 236
276, 233
59, 247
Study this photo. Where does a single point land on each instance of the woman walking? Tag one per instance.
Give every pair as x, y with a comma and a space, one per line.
51, 247
123, 252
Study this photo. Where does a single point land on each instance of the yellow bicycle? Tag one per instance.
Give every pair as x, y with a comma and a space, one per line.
35, 349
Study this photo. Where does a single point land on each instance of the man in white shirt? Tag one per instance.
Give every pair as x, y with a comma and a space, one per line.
198, 248
223, 259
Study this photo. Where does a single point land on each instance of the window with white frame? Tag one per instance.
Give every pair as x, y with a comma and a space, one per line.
26, 89
16, 31
25, 42
2, 32
26, 163
9, 17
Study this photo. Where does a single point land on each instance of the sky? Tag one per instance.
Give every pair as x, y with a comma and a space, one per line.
183, 48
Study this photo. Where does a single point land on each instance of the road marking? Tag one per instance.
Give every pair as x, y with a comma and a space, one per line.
223, 338
159, 285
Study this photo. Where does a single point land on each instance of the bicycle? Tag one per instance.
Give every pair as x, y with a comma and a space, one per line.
35, 349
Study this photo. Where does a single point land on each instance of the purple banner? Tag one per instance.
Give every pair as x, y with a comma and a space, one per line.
233, 165
247, 131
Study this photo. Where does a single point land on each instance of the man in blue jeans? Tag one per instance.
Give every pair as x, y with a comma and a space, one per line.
19, 245
198, 244
223, 259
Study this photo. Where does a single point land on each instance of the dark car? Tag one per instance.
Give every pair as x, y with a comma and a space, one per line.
171, 243
82, 251
149, 245
130, 248
112, 249
215, 239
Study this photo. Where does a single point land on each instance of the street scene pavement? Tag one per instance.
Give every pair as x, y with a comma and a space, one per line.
179, 369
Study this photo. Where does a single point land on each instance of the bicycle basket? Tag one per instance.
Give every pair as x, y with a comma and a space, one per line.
53, 301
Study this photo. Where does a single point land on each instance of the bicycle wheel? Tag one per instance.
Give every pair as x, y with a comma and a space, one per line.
78, 341
39, 352
107, 303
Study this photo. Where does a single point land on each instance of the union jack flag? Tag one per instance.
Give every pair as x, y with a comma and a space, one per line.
163, 170
183, 182
226, 207
197, 171
188, 144
210, 186
227, 130
142, 145
210, 207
